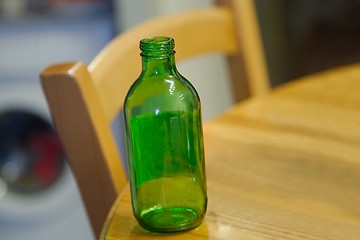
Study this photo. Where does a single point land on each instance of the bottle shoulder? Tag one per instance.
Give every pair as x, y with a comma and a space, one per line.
162, 93
168, 86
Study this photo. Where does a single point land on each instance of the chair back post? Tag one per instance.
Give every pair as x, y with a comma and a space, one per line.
248, 68
86, 137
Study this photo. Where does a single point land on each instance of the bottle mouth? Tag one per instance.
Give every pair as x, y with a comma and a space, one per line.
157, 47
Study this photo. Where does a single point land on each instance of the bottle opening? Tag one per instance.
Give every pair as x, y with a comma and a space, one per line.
157, 47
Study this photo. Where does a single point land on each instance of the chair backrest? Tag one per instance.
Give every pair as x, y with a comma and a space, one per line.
84, 100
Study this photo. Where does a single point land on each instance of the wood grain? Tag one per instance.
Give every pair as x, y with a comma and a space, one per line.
282, 166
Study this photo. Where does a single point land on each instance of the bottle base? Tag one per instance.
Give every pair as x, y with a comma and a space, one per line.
170, 220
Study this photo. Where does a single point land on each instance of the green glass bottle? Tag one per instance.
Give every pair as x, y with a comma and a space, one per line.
164, 139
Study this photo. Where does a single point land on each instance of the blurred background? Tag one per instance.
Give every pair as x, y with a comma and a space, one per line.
38, 196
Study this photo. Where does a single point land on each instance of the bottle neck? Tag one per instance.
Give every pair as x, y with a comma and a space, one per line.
159, 66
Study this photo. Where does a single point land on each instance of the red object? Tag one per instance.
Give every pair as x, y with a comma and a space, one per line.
48, 152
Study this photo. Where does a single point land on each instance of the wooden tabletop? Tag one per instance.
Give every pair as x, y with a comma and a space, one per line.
283, 166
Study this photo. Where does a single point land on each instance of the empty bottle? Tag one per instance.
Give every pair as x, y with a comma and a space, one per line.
163, 126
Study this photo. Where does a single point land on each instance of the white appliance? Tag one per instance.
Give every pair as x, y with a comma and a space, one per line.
52, 213
29, 210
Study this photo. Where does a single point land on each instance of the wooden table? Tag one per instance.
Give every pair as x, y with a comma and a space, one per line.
283, 166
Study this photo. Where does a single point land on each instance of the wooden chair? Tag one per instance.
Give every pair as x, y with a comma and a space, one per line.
84, 100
